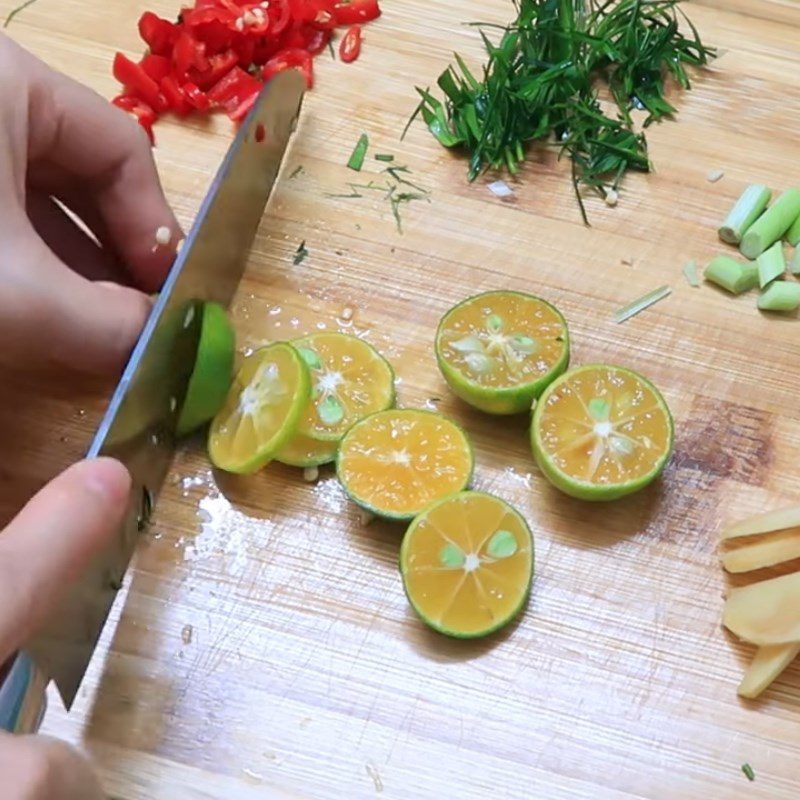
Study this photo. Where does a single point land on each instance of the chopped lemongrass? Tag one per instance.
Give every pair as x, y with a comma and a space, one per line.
793, 234
771, 264
690, 271
779, 520
732, 275
714, 175
300, 254
611, 198
500, 189
356, 160
780, 296
772, 224
632, 309
384, 157
794, 264
745, 212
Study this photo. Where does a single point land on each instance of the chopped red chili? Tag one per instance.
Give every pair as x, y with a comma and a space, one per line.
220, 52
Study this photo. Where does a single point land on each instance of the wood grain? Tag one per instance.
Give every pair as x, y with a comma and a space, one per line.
264, 647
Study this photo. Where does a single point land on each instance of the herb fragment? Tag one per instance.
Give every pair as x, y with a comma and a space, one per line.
296, 171
748, 772
539, 85
300, 254
384, 157
690, 272
356, 160
13, 13
637, 306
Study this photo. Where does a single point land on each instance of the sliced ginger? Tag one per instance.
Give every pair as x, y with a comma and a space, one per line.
767, 664
767, 612
771, 521
765, 552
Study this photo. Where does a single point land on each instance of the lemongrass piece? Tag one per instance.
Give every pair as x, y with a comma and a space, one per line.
772, 224
732, 275
765, 552
779, 520
771, 264
767, 612
780, 296
745, 212
690, 272
794, 264
793, 234
637, 306
767, 665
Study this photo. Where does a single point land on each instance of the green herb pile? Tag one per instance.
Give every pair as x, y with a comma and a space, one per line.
542, 79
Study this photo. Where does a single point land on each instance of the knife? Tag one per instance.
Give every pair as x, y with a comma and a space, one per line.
138, 427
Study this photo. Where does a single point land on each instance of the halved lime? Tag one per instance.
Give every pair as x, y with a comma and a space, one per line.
261, 411
350, 379
213, 370
394, 463
467, 564
499, 350
303, 451
600, 432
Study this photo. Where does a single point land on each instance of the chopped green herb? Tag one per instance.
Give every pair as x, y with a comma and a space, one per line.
384, 157
637, 306
780, 296
540, 81
748, 772
793, 234
746, 211
690, 271
732, 275
13, 13
356, 160
300, 254
794, 264
331, 50
296, 171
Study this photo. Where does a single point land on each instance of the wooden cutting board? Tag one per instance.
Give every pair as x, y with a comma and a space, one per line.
265, 648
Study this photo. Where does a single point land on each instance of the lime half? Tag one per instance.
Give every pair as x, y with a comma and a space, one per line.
261, 411
600, 432
394, 463
467, 564
499, 350
213, 369
303, 451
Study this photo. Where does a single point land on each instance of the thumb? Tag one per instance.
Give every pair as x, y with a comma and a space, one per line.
49, 543
50, 314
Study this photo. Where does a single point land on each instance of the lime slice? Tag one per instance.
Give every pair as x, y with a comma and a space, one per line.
213, 369
499, 350
262, 410
303, 451
467, 564
601, 432
394, 463
350, 380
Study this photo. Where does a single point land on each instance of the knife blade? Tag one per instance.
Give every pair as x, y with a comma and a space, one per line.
138, 425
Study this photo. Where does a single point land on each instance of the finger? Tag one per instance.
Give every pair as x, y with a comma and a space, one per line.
78, 131
44, 768
51, 315
70, 243
49, 543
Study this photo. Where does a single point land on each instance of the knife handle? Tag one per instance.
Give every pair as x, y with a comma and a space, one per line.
23, 697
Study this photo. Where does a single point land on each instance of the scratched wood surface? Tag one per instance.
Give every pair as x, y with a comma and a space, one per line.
263, 646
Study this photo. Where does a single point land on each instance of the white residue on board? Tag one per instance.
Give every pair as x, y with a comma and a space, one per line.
329, 493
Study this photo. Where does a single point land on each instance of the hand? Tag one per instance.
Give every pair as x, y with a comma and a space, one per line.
42, 550
67, 298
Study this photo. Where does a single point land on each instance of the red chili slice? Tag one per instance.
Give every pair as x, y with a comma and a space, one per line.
350, 47
218, 67
157, 67
350, 12
159, 34
144, 114
196, 96
187, 53
236, 93
291, 58
137, 81
176, 96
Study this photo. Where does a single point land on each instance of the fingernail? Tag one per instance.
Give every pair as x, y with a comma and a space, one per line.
108, 478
